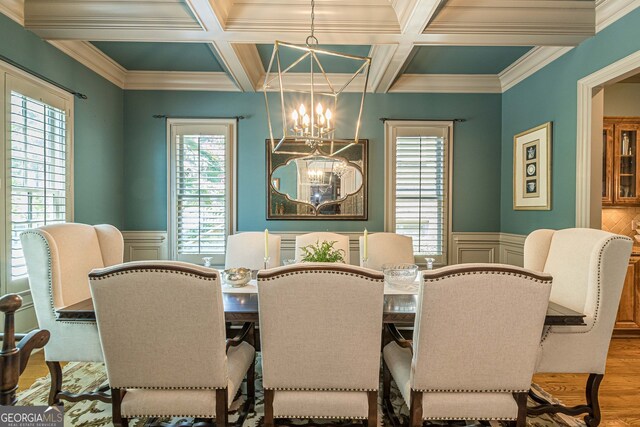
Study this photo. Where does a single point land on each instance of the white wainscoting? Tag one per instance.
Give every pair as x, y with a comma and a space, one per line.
145, 245
494, 247
465, 247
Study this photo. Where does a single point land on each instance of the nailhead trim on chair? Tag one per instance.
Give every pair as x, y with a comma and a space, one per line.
324, 389
154, 270
469, 419
431, 390
322, 417
167, 388
50, 280
161, 416
500, 272
597, 310
342, 273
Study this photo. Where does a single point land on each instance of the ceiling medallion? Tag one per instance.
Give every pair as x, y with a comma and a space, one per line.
309, 109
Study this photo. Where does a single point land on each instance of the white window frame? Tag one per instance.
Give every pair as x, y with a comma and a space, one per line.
392, 129
231, 183
14, 79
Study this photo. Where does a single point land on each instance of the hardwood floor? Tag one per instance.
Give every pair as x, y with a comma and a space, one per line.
619, 393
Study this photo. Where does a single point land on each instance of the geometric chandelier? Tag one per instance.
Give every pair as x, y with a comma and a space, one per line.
307, 104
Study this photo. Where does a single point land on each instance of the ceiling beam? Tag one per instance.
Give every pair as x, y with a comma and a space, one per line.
231, 58
422, 13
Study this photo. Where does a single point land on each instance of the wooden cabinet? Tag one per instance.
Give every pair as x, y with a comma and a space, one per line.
620, 161
628, 320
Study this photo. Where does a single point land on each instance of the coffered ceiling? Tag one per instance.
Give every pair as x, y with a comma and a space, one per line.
415, 45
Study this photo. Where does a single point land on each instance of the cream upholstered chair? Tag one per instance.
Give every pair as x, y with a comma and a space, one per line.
312, 365
588, 268
387, 248
59, 258
476, 338
163, 335
342, 242
247, 250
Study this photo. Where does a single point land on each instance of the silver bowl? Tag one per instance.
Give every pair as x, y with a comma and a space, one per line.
236, 277
401, 276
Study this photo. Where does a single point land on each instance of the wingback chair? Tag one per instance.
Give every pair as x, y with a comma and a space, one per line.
588, 268
247, 250
59, 258
476, 338
320, 330
163, 335
387, 248
342, 242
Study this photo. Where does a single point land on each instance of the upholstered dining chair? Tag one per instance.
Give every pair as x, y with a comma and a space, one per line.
247, 250
163, 335
588, 268
59, 258
312, 365
476, 338
387, 248
342, 242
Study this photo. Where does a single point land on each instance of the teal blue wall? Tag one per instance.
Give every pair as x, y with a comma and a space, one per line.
476, 157
551, 95
98, 123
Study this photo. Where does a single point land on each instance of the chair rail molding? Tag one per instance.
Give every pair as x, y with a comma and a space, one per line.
587, 87
145, 245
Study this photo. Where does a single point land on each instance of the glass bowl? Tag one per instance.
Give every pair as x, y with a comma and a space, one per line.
236, 277
401, 276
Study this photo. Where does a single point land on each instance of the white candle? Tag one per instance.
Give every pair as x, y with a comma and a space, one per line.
266, 243
366, 244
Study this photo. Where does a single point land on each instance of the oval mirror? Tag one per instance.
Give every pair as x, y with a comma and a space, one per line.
317, 179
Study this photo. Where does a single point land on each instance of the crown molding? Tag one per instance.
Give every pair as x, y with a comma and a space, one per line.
609, 11
94, 59
14, 9
447, 83
179, 80
532, 61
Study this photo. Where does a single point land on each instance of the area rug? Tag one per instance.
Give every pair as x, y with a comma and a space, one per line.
82, 377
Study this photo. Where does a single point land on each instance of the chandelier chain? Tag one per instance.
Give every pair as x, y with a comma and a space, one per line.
312, 39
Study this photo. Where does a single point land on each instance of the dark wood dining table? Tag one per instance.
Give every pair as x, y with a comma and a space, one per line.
243, 307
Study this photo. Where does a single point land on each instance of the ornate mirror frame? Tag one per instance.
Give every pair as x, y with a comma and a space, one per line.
280, 205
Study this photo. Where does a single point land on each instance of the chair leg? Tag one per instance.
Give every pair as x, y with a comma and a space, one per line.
222, 405
372, 419
592, 407
593, 387
116, 408
251, 382
521, 400
268, 408
415, 409
55, 370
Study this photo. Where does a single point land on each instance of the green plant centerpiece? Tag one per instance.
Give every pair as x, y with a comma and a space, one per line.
322, 252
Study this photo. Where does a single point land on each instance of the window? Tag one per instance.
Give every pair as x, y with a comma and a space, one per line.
417, 185
201, 182
38, 166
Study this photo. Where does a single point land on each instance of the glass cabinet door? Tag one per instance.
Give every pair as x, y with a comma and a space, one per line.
607, 163
626, 164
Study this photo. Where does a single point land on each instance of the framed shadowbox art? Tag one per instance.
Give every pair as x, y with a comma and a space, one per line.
532, 169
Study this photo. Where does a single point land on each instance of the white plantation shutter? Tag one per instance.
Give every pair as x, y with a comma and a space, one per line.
418, 191
39, 165
200, 189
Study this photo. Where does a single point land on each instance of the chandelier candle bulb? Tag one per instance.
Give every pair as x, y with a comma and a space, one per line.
365, 251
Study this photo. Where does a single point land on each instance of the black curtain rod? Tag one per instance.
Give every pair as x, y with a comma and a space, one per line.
41, 77
384, 119
164, 116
